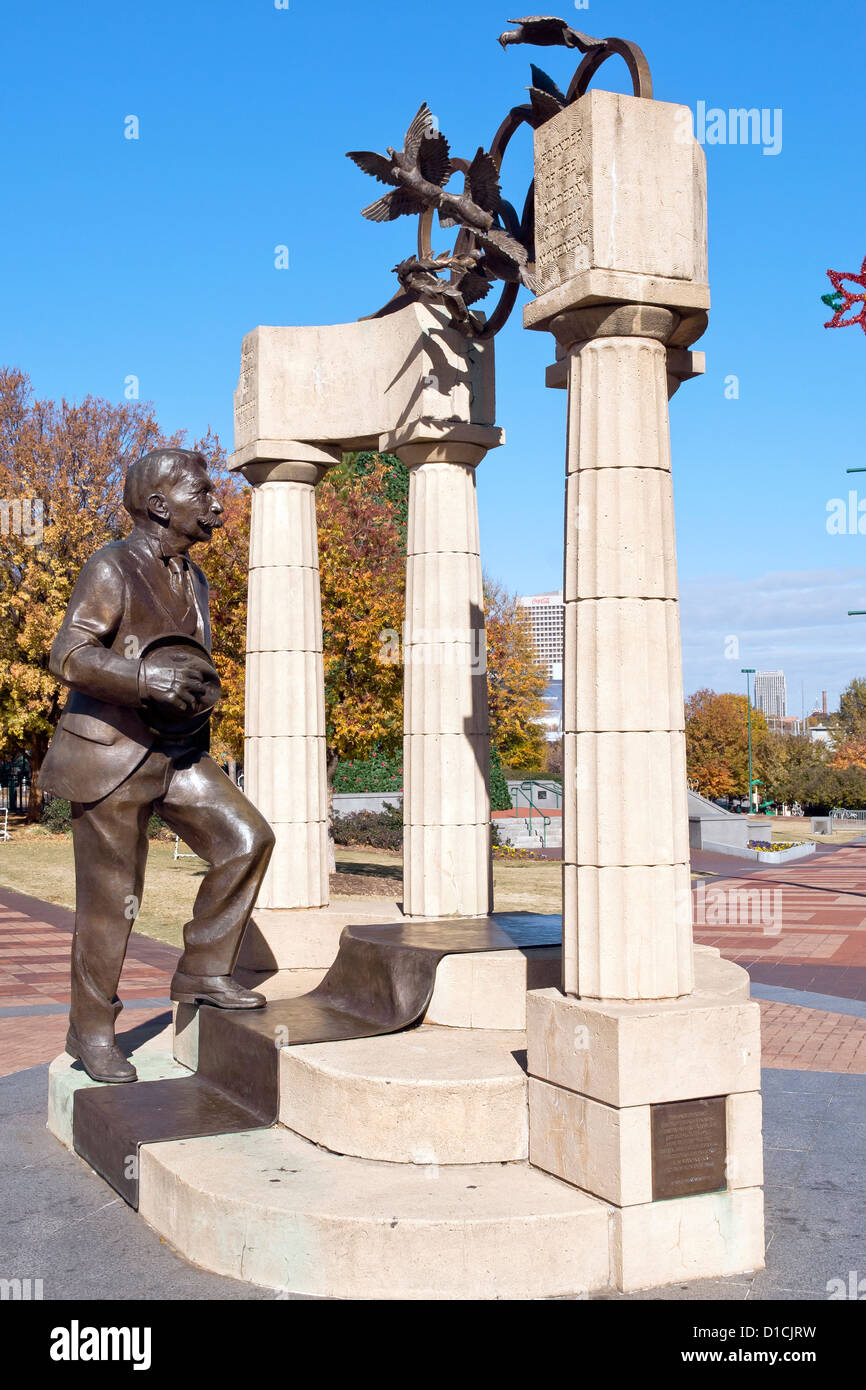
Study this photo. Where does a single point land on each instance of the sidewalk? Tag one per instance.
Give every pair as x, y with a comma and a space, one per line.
69, 1229
35, 939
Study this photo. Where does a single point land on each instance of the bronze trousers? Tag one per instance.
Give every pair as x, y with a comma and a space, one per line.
204, 807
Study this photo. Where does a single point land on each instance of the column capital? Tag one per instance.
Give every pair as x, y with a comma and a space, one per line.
441, 441
678, 328
284, 460
575, 326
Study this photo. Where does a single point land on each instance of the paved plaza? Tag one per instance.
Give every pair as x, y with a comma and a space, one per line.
807, 961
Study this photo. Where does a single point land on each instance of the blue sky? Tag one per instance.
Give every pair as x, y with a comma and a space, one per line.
153, 257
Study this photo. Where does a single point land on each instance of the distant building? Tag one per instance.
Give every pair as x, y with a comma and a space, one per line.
545, 614
770, 693
552, 717
785, 724
819, 733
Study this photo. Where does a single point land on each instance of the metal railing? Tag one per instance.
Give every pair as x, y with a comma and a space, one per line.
525, 789
14, 795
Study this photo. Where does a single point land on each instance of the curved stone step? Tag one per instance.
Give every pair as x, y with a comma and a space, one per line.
269, 1207
432, 1095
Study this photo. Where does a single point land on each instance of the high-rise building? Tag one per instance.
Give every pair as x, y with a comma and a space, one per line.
545, 614
770, 693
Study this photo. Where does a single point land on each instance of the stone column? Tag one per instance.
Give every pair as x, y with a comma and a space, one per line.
626, 886
644, 1068
284, 765
447, 868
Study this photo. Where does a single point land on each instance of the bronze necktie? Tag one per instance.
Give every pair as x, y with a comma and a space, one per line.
181, 584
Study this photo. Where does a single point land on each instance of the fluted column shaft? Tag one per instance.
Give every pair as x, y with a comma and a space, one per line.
446, 747
284, 765
626, 895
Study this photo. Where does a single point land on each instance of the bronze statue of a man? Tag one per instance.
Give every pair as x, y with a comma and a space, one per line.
133, 738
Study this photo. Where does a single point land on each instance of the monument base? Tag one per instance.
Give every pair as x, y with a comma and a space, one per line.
409, 1166
655, 1107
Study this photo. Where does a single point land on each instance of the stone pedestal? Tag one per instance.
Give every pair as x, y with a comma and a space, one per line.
643, 1092
284, 763
446, 805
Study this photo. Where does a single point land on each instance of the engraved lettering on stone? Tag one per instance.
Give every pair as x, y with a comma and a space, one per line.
245, 396
561, 205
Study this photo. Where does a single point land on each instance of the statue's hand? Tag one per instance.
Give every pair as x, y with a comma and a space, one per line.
180, 681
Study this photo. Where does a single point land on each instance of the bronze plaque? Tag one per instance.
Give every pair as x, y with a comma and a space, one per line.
689, 1147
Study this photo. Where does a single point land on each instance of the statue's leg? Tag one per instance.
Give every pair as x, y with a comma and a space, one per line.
110, 844
216, 820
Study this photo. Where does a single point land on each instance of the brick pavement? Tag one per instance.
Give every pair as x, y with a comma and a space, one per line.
801, 926
801, 1039
35, 939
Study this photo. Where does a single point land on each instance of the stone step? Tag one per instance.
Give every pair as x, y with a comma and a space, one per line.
433, 1095
270, 1208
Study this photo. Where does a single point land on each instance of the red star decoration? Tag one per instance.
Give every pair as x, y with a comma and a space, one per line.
839, 320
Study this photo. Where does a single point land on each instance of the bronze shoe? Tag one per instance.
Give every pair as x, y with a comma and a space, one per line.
103, 1061
220, 990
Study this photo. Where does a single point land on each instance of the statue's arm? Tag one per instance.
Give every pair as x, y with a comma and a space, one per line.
80, 655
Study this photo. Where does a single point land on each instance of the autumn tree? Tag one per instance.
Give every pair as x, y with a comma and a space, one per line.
62, 468
362, 575
225, 561
717, 743
362, 511
515, 680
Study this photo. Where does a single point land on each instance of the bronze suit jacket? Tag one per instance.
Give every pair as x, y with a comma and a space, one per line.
122, 601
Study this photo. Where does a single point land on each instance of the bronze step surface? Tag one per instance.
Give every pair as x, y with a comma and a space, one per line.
380, 982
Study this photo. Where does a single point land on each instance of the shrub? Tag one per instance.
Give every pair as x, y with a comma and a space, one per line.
379, 773
377, 829
157, 829
57, 819
57, 815
499, 797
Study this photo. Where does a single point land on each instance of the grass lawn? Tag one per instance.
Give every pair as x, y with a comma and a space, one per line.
800, 828
41, 865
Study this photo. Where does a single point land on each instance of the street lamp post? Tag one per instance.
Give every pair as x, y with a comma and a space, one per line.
749, 671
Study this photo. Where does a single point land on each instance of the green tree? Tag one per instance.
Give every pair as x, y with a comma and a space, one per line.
850, 721
797, 769
499, 797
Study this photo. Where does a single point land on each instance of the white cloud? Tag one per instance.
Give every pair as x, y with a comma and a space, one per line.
795, 620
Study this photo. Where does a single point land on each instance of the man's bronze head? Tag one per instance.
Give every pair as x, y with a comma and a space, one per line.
169, 493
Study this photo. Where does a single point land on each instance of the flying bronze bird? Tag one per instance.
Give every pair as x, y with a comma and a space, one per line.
418, 171
547, 99
547, 31
420, 276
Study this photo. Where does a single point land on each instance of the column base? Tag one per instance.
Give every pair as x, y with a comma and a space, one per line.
447, 870
704, 1237
656, 1109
